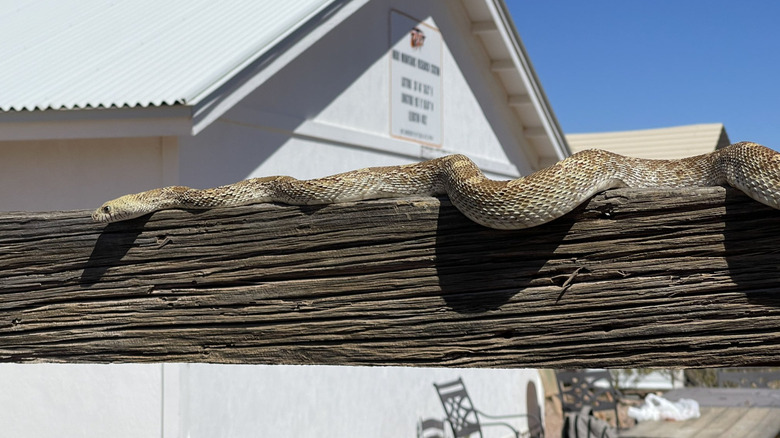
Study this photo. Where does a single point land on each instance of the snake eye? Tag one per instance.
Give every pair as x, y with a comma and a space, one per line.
107, 209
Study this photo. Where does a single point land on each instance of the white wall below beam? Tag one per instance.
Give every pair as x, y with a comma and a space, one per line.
208, 401
57, 400
379, 402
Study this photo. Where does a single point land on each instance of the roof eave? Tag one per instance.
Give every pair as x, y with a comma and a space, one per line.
549, 123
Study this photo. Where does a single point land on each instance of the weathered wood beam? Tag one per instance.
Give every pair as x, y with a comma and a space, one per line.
685, 278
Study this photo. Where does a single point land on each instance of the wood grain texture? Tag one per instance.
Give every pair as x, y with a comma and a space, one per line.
635, 278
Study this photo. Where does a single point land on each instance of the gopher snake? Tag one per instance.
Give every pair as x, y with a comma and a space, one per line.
525, 202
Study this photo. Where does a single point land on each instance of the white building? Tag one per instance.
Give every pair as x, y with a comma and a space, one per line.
101, 98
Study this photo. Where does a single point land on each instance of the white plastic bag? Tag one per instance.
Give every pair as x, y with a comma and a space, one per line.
659, 408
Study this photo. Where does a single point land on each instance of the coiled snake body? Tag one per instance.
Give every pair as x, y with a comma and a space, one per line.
521, 203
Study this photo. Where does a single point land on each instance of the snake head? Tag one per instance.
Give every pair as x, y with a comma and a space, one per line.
119, 209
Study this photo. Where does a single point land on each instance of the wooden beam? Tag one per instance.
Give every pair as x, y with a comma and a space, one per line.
635, 278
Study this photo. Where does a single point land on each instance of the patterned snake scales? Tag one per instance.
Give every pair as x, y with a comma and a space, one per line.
525, 202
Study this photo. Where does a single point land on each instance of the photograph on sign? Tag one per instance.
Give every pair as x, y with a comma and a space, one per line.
415, 80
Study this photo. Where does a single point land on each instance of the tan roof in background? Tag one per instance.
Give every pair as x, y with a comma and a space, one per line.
661, 143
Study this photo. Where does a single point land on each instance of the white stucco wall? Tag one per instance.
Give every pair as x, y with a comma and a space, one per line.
236, 401
52, 401
327, 111
46, 175
339, 402
476, 120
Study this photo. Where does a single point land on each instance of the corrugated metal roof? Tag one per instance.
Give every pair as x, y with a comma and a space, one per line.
661, 143
68, 54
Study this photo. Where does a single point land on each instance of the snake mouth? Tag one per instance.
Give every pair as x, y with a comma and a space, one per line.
112, 212
99, 216
107, 214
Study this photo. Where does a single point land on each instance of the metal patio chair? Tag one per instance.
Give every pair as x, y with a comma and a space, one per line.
465, 419
594, 388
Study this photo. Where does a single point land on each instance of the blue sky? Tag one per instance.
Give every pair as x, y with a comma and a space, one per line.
609, 65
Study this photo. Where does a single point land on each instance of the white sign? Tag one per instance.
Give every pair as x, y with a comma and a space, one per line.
415, 80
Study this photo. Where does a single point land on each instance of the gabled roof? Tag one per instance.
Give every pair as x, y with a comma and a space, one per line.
660, 143
99, 68
68, 54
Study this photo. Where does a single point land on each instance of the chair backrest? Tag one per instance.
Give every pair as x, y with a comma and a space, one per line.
731, 378
593, 388
458, 407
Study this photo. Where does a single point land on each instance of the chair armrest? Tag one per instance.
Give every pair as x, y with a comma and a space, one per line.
507, 425
501, 416
517, 432
507, 416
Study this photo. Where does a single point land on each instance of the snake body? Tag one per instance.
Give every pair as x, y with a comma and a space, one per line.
521, 203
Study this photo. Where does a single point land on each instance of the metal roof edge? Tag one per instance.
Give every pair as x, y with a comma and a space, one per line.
523, 63
191, 116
